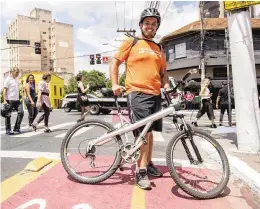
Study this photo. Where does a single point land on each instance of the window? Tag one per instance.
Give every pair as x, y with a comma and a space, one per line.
45, 57
43, 20
44, 32
60, 91
44, 48
55, 102
55, 91
45, 65
71, 96
180, 50
171, 55
220, 72
44, 40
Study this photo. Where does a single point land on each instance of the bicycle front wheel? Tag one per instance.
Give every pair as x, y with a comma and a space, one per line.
198, 164
95, 166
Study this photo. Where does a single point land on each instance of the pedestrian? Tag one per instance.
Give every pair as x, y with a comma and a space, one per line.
207, 106
12, 97
82, 98
43, 102
30, 99
145, 75
189, 98
222, 99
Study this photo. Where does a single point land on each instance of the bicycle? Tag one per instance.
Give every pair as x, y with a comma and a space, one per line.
129, 152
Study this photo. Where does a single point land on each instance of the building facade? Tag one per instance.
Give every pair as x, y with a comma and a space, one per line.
5, 63
56, 87
182, 48
215, 9
56, 41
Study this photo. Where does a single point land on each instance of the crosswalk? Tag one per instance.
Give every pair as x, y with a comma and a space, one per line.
62, 128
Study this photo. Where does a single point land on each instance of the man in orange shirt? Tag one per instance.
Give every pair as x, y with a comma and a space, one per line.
145, 75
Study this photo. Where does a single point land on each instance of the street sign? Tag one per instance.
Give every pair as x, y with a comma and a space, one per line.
15, 41
105, 60
232, 5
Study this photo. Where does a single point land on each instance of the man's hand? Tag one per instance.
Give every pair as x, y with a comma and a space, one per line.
117, 89
217, 106
38, 105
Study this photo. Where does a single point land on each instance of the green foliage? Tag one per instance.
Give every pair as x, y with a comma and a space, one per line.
122, 79
1, 96
72, 87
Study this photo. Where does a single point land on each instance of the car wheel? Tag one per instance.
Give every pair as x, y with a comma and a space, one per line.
106, 112
94, 109
67, 108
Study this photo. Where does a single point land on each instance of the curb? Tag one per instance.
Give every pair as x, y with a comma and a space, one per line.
15, 183
244, 172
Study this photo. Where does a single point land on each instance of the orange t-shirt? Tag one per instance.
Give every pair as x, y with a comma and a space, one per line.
145, 63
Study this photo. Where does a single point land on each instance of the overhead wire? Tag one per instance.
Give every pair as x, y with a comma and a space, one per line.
166, 10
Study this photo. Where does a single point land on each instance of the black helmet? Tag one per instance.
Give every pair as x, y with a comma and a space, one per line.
5, 110
150, 12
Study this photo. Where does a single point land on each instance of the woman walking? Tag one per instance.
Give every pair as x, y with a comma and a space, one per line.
82, 99
206, 104
30, 99
44, 101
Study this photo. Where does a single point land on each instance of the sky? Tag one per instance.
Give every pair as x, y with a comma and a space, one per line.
95, 23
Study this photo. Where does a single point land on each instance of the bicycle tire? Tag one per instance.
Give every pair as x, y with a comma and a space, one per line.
169, 161
100, 178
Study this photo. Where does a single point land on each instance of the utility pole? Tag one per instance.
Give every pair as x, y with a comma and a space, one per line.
244, 80
228, 78
202, 36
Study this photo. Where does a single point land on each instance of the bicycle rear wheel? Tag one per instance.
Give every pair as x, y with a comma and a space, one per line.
104, 159
203, 180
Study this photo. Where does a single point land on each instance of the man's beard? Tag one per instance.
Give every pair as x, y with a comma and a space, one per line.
150, 36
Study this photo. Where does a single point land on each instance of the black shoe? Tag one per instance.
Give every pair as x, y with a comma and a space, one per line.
220, 124
213, 126
9, 132
153, 171
18, 131
142, 179
47, 130
195, 124
34, 127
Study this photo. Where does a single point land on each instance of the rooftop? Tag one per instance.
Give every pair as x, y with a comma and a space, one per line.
209, 24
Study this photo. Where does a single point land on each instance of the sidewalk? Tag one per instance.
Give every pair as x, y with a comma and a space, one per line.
243, 165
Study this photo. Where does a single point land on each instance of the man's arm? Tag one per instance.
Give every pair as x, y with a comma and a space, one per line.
5, 95
218, 98
165, 79
113, 70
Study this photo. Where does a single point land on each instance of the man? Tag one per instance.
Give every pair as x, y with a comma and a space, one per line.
223, 98
11, 97
145, 75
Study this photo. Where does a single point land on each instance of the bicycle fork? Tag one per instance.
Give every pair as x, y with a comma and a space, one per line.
188, 132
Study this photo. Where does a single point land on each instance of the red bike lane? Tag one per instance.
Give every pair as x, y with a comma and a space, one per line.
56, 190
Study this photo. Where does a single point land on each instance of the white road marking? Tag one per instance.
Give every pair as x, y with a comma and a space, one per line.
81, 131
157, 136
29, 154
30, 134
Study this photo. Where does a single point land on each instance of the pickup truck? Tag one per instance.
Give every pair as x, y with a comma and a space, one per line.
97, 104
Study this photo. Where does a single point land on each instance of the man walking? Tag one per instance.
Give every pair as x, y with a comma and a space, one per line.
223, 100
145, 75
11, 97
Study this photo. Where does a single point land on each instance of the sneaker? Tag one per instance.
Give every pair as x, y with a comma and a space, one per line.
195, 124
142, 179
18, 131
9, 132
213, 126
220, 124
153, 171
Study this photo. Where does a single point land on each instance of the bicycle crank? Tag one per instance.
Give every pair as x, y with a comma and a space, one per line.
125, 152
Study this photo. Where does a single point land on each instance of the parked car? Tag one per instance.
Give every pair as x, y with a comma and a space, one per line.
69, 102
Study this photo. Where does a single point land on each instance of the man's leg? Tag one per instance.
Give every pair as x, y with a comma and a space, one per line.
19, 108
8, 120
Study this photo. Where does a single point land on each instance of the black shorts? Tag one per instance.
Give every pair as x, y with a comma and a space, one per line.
142, 105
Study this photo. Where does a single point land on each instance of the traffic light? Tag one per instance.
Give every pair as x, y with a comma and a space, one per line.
92, 59
37, 47
98, 58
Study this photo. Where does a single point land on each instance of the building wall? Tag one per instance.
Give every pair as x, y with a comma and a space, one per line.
4, 64
55, 83
56, 42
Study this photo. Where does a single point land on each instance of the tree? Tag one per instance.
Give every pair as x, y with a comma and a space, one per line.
122, 79
71, 87
2, 96
95, 79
